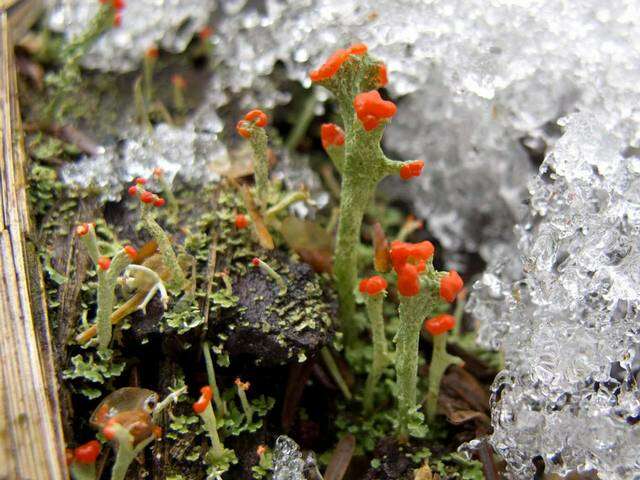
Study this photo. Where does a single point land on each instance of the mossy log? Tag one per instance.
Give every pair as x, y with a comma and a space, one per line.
31, 440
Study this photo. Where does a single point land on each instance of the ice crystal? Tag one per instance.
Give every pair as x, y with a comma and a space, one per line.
287, 460
567, 314
169, 24
193, 150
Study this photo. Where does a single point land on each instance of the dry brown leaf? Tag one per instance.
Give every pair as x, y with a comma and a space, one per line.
310, 241
423, 473
341, 458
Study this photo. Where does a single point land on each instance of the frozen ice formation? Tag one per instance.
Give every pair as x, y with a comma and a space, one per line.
191, 149
290, 464
474, 183
169, 24
567, 314
479, 82
482, 77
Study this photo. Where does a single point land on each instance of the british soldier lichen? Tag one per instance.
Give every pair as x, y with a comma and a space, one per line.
353, 76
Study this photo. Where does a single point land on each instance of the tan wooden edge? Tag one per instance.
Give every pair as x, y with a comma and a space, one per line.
31, 440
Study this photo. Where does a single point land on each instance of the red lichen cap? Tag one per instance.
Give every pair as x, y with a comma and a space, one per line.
241, 221
109, 430
241, 130
118, 4
244, 386
408, 281
258, 116
82, 229
159, 202
371, 109
335, 61
411, 169
255, 261
133, 190
450, 285
140, 181
205, 33
87, 453
357, 49
439, 324
205, 398
131, 251
178, 81
152, 52
117, 19
373, 285
331, 135
104, 263
383, 78
416, 254
147, 197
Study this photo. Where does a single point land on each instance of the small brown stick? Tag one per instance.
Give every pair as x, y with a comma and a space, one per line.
264, 237
341, 458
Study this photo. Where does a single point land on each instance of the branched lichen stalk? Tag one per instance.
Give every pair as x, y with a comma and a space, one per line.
107, 281
412, 313
440, 361
211, 375
126, 452
178, 279
359, 159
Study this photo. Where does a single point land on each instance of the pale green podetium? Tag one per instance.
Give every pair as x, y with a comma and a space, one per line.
107, 281
362, 165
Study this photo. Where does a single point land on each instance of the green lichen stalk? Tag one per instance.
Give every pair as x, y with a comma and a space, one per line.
260, 164
251, 127
126, 451
178, 279
357, 156
412, 313
107, 281
209, 420
211, 375
440, 361
380, 354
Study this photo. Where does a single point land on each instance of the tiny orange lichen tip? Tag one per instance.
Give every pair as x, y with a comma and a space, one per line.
450, 285
87, 453
373, 285
440, 324
205, 398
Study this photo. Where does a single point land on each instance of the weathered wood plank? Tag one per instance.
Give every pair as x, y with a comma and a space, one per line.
31, 442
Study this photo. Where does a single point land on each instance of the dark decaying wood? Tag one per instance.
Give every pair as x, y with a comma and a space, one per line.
31, 440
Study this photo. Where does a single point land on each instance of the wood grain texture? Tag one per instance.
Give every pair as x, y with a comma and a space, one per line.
31, 441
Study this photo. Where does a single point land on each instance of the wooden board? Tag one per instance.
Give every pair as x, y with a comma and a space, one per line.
31, 441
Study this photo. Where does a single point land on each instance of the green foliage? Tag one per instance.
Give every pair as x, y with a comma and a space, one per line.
367, 430
185, 315
95, 368
235, 422
44, 188
264, 467
216, 466
455, 467
181, 425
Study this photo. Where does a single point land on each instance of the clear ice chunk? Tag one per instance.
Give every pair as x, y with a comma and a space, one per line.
288, 463
563, 305
169, 24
